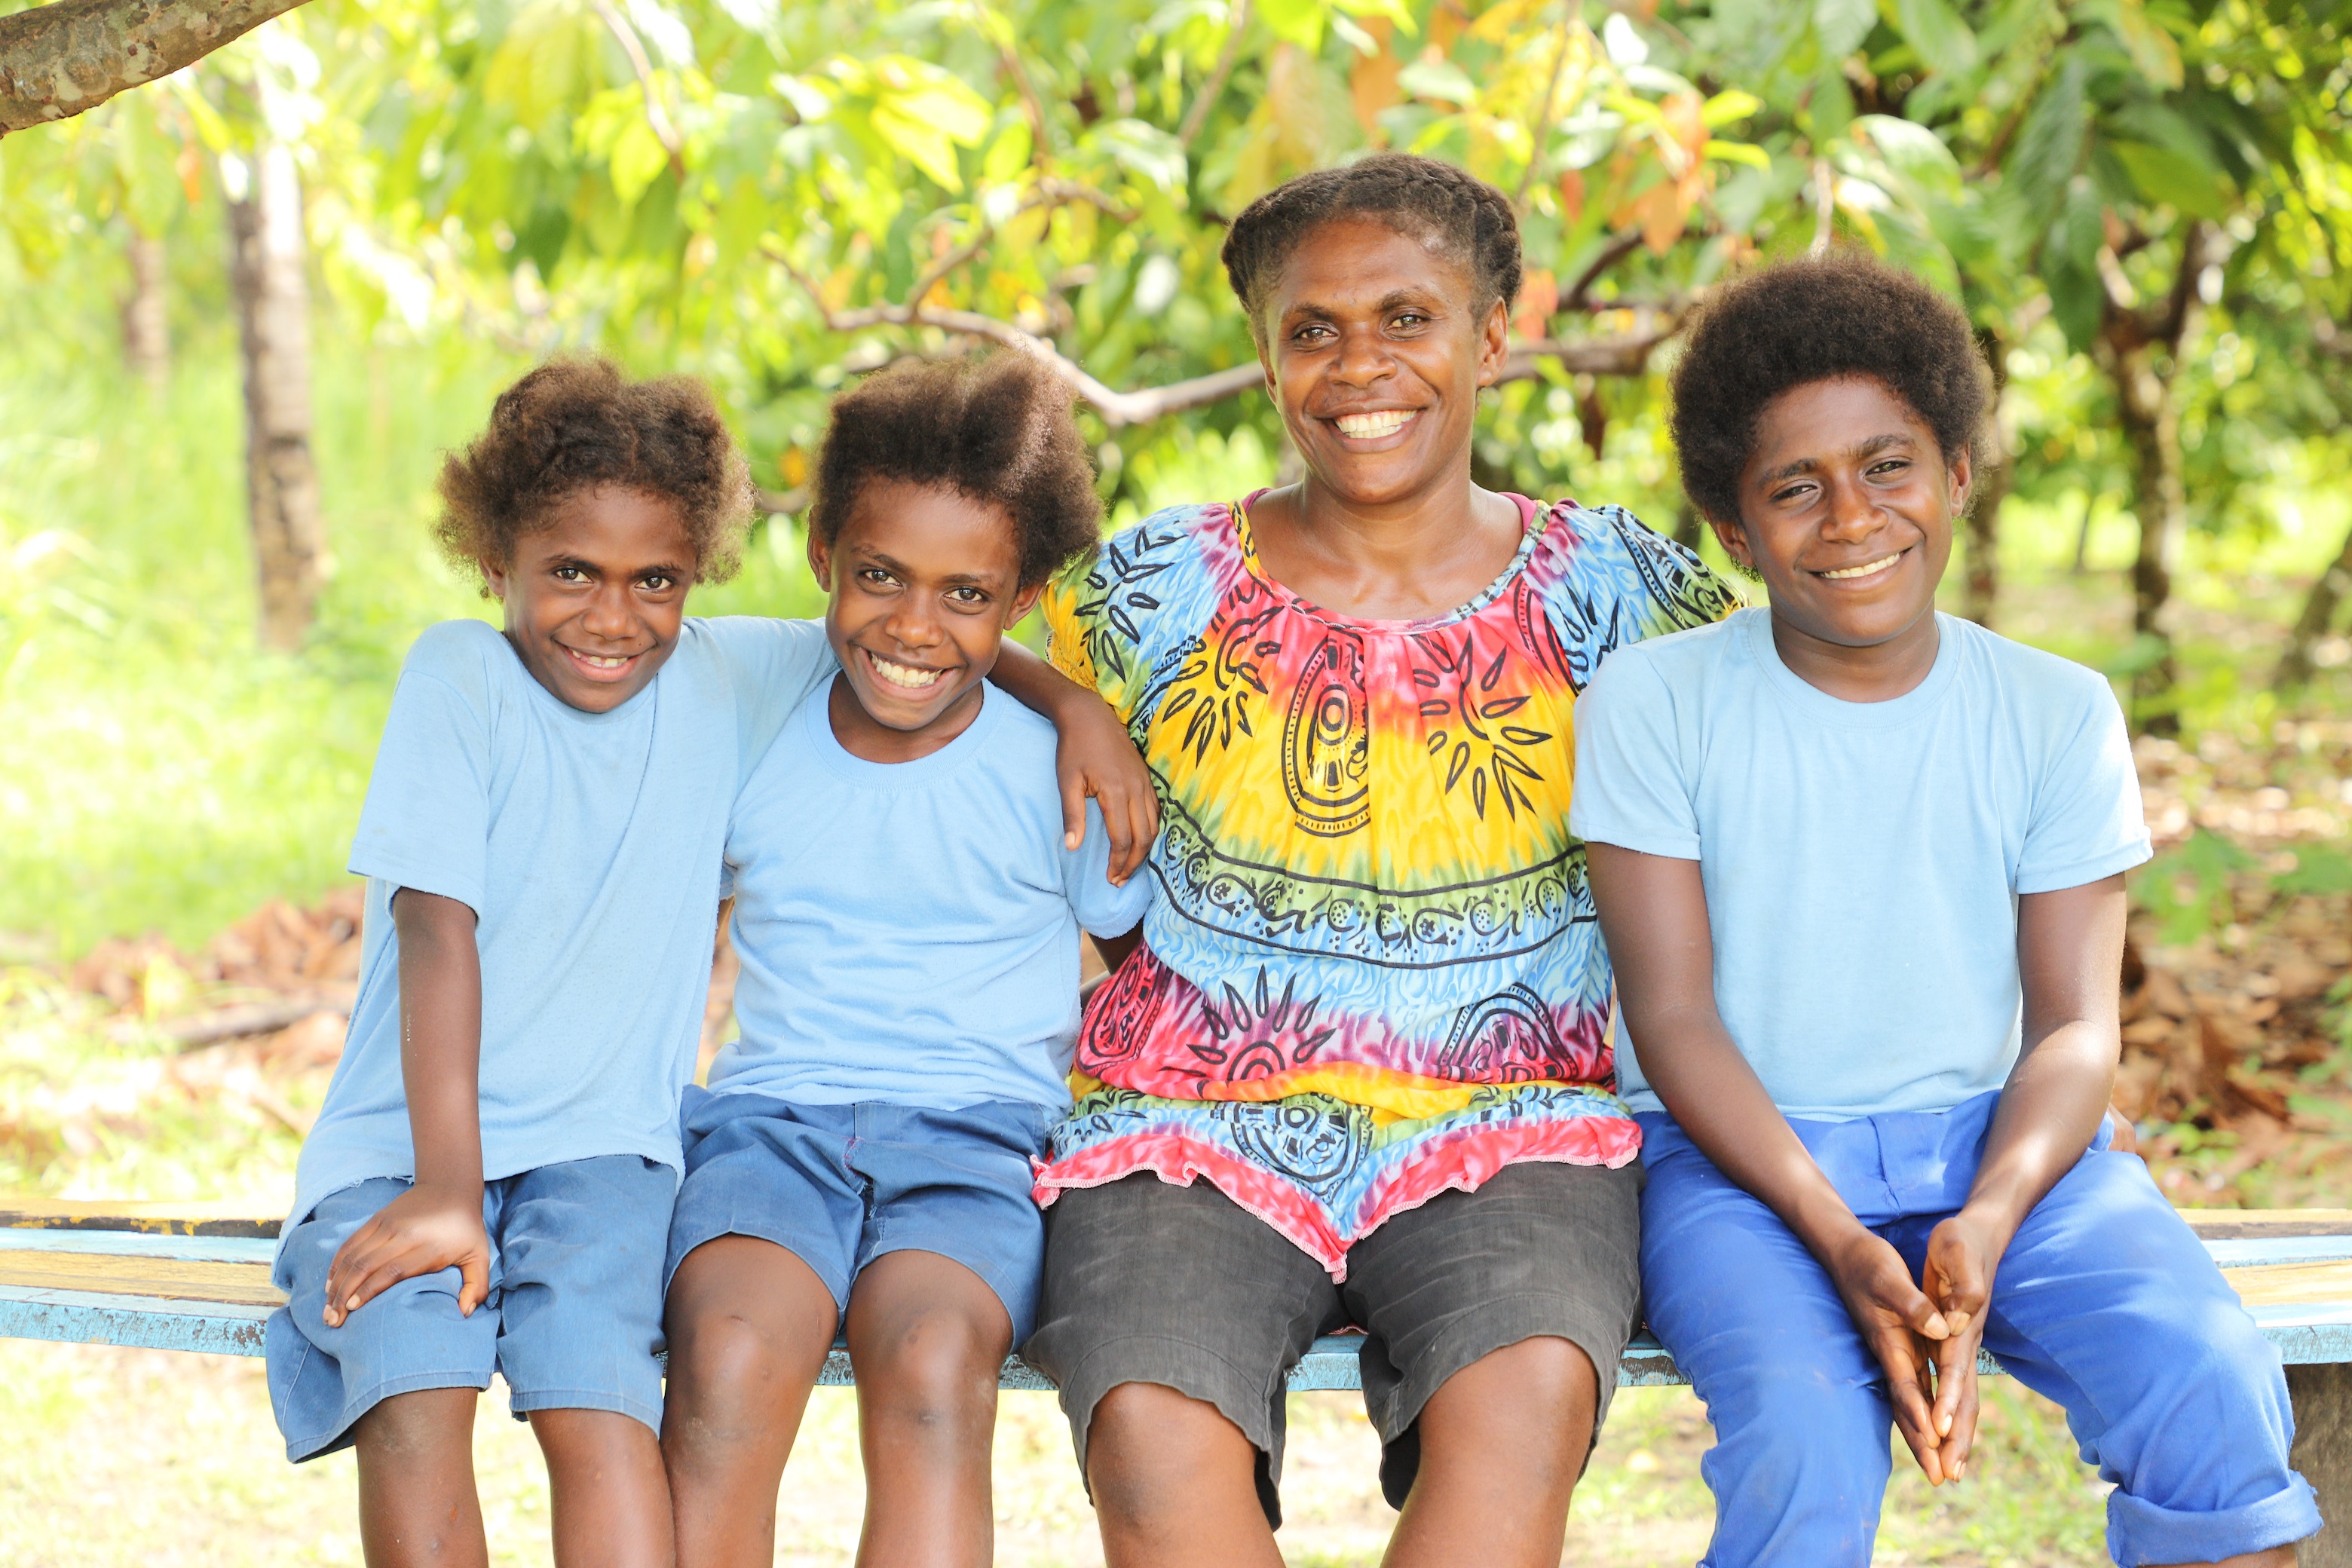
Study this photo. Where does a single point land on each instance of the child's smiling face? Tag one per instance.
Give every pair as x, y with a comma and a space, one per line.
1846, 509
595, 598
1375, 349
924, 583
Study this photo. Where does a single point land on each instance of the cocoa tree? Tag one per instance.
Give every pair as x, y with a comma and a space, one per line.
67, 59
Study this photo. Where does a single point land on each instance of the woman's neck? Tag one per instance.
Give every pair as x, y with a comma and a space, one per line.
1402, 560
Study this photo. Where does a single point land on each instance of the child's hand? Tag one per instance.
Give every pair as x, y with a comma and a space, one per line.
1093, 756
422, 1231
1911, 1340
1957, 1277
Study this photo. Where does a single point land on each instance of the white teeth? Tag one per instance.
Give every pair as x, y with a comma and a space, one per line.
597, 661
1371, 426
1866, 568
903, 675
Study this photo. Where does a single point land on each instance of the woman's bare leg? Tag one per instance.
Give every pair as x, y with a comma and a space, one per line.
1175, 1483
1501, 1444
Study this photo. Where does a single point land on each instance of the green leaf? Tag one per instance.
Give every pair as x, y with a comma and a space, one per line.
2070, 266
1298, 22
1911, 150
2049, 144
1727, 107
2152, 49
1143, 149
1842, 24
1936, 35
2318, 868
1745, 153
2166, 178
637, 160
1440, 79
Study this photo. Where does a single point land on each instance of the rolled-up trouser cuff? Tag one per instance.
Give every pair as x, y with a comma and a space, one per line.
2140, 1532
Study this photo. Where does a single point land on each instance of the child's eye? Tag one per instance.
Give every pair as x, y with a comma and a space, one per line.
658, 583
570, 574
970, 596
875, 578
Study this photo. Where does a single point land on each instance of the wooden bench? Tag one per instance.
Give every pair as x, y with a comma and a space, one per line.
179, 1278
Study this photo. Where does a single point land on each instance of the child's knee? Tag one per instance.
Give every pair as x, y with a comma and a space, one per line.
722, 1355
937, 1364
422, 1424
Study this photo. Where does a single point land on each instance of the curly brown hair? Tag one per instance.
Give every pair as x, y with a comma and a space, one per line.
577, 424
1827, 317
997, 430
1469, 220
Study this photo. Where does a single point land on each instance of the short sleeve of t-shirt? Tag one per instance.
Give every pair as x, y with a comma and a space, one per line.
1104, 910
1631, 787
772, 664
2087, 821
427, 821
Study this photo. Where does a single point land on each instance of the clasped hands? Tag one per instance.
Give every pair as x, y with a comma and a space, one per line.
1926, 1335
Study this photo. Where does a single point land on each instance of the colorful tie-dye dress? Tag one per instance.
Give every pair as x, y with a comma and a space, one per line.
1370, 971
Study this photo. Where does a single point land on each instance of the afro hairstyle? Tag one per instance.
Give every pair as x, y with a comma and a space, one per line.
578, 424
995, 429
1828, 318
1468, 220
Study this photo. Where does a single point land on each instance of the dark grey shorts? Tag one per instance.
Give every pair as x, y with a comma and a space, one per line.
1149, 1282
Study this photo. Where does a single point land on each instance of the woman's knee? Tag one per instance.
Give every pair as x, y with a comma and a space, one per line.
1153, 1454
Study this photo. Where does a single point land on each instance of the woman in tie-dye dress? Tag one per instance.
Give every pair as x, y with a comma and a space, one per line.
1357, 1072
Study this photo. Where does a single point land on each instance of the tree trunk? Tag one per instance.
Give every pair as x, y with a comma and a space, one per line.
2151, 421
2335, 584
273, 309
1983, 587
60, 60
146, 319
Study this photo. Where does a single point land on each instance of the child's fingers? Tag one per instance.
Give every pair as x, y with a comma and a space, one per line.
474, 1286
1961, 1438
353, 1259
1074, 791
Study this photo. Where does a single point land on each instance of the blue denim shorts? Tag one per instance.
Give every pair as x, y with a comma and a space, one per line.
839, 1185
572, 1322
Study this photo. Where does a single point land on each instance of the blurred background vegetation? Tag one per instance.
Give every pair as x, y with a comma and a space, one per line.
244, 310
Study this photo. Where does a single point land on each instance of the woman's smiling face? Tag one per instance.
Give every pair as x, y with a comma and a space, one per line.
1376, 348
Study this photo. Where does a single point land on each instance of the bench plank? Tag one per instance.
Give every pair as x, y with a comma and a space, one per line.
156, 1219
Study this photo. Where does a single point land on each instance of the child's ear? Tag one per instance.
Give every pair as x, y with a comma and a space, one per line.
820, 561
1023, 603
1962, 473
494, 577
1733, 537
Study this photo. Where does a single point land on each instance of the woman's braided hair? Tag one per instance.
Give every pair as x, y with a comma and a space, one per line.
578, 424
1467, 219
997, 431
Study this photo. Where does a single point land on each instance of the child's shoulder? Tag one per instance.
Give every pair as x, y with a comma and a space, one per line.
469, 654
2029, 681
1682, 659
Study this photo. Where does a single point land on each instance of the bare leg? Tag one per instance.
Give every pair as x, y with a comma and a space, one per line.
928, 1337
612, 1500
748, 1326
1175, 1483
416, 1481
1502, 1443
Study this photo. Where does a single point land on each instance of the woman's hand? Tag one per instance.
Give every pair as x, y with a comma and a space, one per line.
422, 1231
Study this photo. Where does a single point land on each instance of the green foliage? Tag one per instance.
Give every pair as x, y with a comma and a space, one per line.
2188, 889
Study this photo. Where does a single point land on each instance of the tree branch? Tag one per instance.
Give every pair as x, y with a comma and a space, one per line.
657, 116
1543, 119
58, 61
1206, 99
1628, 354
1824, 207
1615, 251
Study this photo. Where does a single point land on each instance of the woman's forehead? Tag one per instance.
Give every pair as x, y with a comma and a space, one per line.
1357, 257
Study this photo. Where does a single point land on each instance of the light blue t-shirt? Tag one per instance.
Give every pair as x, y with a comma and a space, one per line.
1863, 860
588, 845
909, 930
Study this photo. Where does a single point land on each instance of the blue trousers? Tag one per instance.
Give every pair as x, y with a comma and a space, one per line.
2105, 1302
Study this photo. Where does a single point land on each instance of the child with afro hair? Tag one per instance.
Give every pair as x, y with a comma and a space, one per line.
1861, 866
907, 911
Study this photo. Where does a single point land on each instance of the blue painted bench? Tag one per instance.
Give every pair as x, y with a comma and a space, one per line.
186, 1278
170, 1277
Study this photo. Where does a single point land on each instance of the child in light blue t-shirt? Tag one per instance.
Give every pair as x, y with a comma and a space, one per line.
1860, 868
907, 912
488, 1185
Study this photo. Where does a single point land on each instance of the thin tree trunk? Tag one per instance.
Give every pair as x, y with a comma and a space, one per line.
146, 318
2327, 593
1983, 587
273, 309
2151, 420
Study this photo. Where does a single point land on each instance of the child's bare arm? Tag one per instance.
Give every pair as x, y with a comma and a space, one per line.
2070, 951
1095, 757
437, 1223
1654, 915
